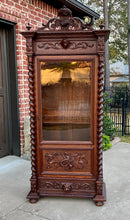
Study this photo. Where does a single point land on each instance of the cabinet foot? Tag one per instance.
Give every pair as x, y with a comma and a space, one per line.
33, 200
33, 197
99, 203
100, 199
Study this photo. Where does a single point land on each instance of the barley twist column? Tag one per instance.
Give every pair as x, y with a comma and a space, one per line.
33, 195
32, 124
100, 117
100, 196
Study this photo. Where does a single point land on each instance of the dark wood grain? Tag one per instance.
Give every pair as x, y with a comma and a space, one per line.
66, 115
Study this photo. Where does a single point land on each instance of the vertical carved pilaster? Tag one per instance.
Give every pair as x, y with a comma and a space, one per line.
100, 126
32, 119
100, 117
100, 197
33, 195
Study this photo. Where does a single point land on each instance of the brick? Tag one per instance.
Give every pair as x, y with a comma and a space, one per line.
21, 109
21, 105
18, 6
38, 19
11, 3
40, 15
26, 95
17, 1
31, 7
5, 9
36, 12
31, 16
20, 77
23, 4
49, 8
33, 12
50, 15
36, 3
33, 22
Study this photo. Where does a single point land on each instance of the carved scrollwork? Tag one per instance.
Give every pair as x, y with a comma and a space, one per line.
46, 45
66, 44
65, 186
65, 21
82, 45
66, 161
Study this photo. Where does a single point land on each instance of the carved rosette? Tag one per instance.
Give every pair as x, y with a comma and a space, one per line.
32, 123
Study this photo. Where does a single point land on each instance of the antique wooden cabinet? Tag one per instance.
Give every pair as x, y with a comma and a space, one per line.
66, 108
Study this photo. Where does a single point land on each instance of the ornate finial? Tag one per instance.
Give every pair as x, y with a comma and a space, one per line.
64, 12
28, 27
102, 25
43, 24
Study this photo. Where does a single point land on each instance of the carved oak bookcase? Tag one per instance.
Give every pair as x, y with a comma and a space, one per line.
66, 59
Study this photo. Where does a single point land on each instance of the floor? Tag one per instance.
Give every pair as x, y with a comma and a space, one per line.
15, 185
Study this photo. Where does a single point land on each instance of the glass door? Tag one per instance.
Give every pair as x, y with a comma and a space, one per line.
66, 100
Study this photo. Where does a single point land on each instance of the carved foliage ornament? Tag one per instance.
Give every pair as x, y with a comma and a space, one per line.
66, 187
65, 21
66, 161
66, 44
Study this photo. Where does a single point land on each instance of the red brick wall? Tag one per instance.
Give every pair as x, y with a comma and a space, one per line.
22, 12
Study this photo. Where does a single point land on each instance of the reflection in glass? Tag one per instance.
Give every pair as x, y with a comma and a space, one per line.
66, 97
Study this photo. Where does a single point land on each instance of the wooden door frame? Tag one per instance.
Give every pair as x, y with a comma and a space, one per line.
12, 89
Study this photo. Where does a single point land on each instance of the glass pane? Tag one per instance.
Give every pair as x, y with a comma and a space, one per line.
66, 100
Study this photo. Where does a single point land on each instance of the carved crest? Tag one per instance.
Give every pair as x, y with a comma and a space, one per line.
65, 21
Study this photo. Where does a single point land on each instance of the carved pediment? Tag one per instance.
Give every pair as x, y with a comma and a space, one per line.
65, 21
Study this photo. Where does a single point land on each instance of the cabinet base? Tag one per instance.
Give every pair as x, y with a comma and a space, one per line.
100, 199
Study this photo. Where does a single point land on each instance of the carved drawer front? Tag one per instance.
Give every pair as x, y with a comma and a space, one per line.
66, 186
65, 46
66, 161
